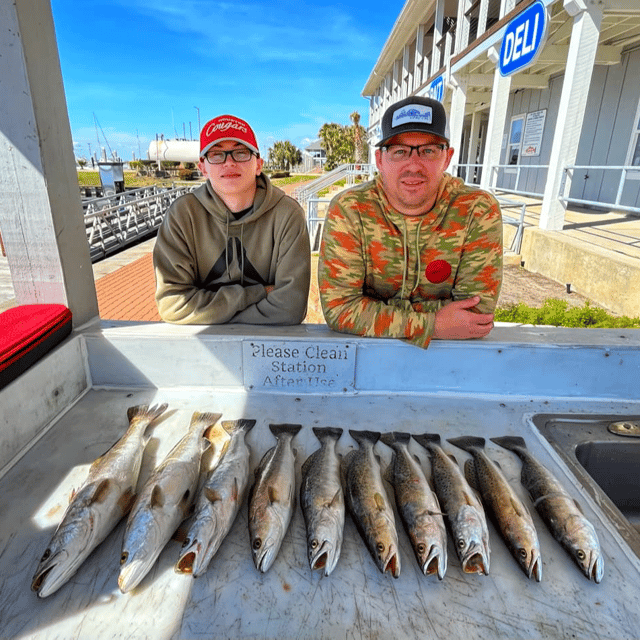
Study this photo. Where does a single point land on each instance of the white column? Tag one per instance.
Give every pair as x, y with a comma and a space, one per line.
41, 213
575, 87
456, 115
438, 20
474, 139
496, 124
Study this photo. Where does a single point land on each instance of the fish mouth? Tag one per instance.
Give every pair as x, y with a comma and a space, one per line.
38, 583
595, 570
185, 562
435, 562
132, 572
55, 573
475, 560
324, 558
534, 569
193, 558
392, 564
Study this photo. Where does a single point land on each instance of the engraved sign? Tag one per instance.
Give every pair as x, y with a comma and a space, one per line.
294, 367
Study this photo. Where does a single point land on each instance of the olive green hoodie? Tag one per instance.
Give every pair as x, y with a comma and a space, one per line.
213, 269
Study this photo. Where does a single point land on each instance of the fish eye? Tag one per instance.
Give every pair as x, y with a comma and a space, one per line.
314, 544
45, 555
461, 543
123, 557
522, 552
257, 543
380, 547
186, 543
421, 547
581, 554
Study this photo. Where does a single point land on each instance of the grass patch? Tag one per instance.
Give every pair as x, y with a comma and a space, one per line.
558, 313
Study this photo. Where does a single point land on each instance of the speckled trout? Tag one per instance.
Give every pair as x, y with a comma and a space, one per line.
163, 503
272, 499
511, 516
368, 503
101, 502
219, 500
417, 505
560, 512
463, 511
322, 501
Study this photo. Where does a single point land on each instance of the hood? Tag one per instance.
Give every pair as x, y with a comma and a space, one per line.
267, 197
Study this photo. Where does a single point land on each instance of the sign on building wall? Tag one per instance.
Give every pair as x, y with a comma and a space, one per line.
436, 89
533, 130
523, 39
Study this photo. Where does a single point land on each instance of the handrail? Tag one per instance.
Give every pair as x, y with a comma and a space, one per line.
309, 190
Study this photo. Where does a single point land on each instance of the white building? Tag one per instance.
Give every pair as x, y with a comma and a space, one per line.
565, 128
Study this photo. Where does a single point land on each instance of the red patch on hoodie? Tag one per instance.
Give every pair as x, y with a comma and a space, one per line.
437, 271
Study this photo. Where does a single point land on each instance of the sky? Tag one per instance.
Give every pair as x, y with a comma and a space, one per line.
137, 69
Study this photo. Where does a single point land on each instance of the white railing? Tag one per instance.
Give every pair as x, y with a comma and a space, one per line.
348, 171
114, 222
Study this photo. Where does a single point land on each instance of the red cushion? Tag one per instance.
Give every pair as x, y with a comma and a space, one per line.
27, 333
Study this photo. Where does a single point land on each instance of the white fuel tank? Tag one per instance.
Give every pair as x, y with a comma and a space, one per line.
174, 150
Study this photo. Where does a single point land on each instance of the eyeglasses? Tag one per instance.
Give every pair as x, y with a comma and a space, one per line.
218, 156
400, 152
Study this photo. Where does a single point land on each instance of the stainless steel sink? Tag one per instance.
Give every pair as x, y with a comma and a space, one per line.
603, 452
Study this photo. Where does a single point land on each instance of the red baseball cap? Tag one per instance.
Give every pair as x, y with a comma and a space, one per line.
227, 128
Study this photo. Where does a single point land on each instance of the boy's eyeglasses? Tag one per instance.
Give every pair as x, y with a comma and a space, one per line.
218, 156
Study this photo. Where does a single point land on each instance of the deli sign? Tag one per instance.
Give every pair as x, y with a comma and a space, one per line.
523, 39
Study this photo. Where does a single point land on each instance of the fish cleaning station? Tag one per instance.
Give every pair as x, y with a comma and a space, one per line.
572, 395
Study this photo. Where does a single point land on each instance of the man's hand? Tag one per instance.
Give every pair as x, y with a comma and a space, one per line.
458, 321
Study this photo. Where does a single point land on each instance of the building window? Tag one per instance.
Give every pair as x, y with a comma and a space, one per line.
515, 139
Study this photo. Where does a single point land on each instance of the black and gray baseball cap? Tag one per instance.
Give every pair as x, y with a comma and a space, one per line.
415, 113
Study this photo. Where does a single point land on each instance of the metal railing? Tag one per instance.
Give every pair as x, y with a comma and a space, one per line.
348, 171
114, 222
617, 205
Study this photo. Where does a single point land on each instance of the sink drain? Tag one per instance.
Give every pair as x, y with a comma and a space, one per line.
625, 428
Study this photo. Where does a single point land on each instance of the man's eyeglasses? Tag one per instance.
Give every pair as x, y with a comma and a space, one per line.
400, 152
218, 156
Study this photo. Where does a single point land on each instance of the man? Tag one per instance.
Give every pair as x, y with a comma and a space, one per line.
415, 254
236, 249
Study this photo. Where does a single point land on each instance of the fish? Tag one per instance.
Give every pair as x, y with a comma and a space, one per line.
102, 501
368, 503
560, 512
511, 516
163, 503
272, 499
219, 500
322, 502
464, 513
417, 505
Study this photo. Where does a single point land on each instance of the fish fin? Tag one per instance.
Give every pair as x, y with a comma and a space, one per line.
204, 420
143, 411
470, 474
388, 472
578, 507
452, 458
467, 443
426, 439
388, 438
280, 429
364, 436
235, 490
518, 507
512, 443
307, 463
243, 424
102, 491
338, 499
327, 432
126, 500
381, 503
157, 497
211, 495
273, 495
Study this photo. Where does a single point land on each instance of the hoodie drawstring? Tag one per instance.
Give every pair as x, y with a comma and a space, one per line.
418, 258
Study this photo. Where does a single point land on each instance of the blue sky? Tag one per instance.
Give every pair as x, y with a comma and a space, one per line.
145, 67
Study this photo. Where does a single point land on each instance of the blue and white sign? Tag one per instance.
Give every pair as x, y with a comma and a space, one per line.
436, 89
523, 39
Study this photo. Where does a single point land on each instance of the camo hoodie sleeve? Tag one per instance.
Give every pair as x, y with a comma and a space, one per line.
383, 274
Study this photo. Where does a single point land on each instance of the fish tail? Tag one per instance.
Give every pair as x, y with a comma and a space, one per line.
204, 422
512, 443
243, 424
143, 411
395, 437
332, 433
364, 436
467, 443
427, 439
281, 429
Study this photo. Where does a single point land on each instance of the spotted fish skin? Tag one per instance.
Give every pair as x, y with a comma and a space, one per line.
163, 503
272, 497
417, 505
368, 503
463, 510
103, 500
560, 512
510, 515
322, 502
219, 500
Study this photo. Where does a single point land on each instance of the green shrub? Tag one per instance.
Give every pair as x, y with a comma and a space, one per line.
557, 313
